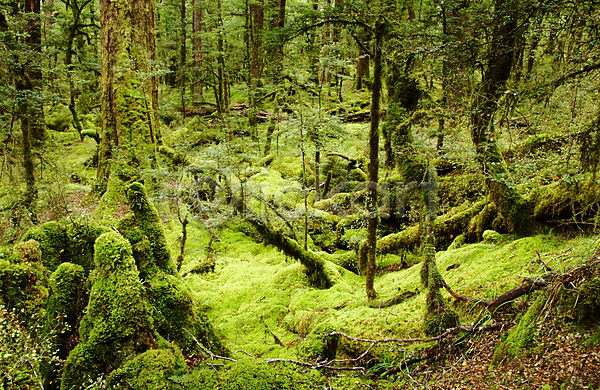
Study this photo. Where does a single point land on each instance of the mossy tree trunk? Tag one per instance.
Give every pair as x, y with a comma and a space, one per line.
27, 78
373, 168
129, 90
37, 127
501, 188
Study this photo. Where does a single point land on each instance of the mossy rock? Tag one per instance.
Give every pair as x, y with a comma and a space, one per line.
117, 324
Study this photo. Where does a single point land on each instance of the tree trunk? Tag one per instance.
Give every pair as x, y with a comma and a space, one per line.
255, 18
183, 57
362, 65
197, 48
37, 128
373, 168
129, 99
501, 188
73, 28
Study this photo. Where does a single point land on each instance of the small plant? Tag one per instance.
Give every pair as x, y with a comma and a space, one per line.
23, 350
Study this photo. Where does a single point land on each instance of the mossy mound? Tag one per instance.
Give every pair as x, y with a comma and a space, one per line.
24, 288
118, 322
66, 241
146, 234
566, 199
151, 370
68, 298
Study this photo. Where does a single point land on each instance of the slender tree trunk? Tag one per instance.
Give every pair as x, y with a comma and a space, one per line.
373, 169
183, 56
362, 65
23, 86
275, 69
37, 129
255, 19
197, 48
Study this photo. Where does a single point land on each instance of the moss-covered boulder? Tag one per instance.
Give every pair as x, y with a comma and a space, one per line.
118, 322
24, 288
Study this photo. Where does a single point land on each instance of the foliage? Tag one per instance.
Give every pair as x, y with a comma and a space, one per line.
23, 349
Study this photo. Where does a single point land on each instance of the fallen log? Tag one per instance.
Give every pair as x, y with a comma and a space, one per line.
528, 286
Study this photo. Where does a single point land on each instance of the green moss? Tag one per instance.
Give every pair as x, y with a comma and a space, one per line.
174, 159
522, 336
491, 237
24, 288
53, 240
117, 324
67, 300
457, 189
66, 241
27, 252
150, 370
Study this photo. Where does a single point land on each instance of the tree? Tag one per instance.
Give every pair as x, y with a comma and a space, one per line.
373, 169
129, 89
501, 187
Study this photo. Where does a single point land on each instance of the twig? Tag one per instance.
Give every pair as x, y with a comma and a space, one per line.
239, 350
212, 355
542, 261
316, 365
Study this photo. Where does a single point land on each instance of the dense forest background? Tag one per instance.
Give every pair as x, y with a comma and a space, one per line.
298, 194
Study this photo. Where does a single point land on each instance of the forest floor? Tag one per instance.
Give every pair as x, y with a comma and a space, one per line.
560, 358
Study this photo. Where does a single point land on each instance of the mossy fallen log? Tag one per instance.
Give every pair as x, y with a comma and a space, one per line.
561, 200
446, 227
319, 274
